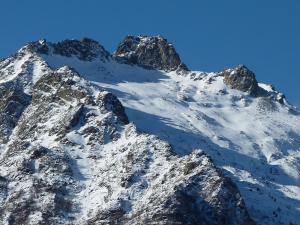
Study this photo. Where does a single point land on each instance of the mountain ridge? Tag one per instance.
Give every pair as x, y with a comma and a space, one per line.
88, 46
208, 111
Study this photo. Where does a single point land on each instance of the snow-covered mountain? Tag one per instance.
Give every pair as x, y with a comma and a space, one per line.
135, 137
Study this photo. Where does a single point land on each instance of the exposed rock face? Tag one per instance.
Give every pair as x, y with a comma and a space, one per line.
241, 78
85, 49
110, 102
73, 159
12, 103
154, 52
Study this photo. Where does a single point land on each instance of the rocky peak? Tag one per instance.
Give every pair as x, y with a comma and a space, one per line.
85, 49
150, 51
240, 78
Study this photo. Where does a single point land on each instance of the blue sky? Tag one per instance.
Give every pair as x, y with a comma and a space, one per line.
208, 34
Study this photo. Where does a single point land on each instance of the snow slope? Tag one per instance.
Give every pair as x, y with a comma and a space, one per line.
258, 147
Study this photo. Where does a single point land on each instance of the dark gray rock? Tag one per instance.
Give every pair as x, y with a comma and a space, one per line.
110, 102
85, 49
149, 51
13, 102
241, 78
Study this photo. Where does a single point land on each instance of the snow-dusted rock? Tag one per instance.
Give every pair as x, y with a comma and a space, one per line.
150, 51
69, 155
71, 159
241, 78
85, 49
12, 103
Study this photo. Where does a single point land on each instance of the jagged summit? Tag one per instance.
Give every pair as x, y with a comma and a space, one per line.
151, 51
85, 49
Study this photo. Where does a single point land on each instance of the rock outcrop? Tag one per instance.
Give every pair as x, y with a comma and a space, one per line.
85, 49
241, 78
150, 51
13, 101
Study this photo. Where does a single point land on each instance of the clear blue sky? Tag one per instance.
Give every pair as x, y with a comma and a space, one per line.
208, 34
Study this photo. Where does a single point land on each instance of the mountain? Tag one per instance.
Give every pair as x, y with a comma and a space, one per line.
135, 137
